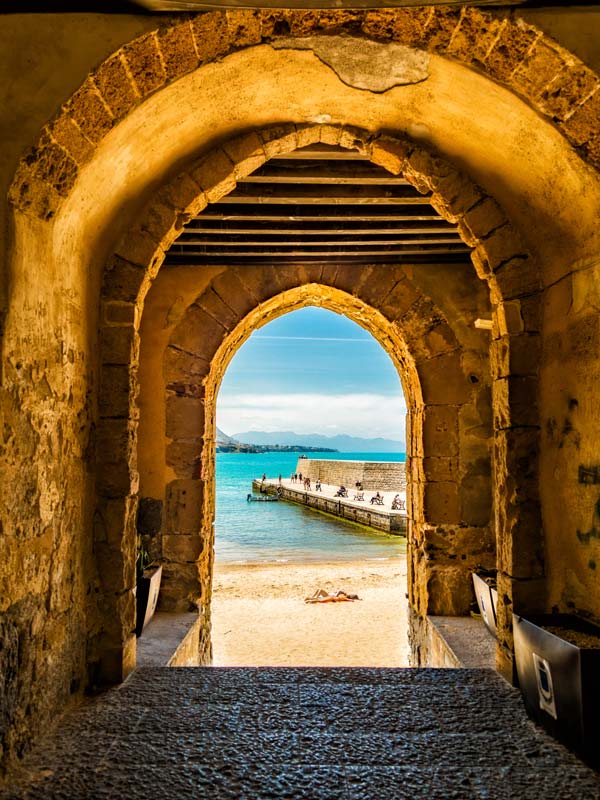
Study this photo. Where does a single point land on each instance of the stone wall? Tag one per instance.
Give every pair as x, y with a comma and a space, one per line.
387, 476
104, 167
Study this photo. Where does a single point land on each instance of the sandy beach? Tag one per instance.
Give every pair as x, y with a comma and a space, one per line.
260, 617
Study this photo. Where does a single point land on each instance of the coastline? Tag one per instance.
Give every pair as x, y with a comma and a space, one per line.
259, 616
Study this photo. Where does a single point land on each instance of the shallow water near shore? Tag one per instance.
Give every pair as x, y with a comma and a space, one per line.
263, 533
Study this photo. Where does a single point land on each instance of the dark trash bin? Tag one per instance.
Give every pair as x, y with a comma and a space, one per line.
558, 665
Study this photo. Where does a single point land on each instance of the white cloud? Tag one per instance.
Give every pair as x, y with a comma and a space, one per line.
367, 414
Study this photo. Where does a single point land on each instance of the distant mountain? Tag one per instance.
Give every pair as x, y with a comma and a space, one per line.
222, 438
341, 442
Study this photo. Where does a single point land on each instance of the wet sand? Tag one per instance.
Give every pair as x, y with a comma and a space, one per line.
260, 617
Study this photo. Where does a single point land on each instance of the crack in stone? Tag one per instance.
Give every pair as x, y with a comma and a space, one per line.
364, 64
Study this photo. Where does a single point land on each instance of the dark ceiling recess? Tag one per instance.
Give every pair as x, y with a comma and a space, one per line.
320, 203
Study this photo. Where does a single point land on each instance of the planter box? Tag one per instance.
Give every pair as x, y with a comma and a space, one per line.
559, 677
487, 600
147, 591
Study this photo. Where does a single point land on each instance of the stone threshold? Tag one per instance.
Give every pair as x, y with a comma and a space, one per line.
460, 642
169, 640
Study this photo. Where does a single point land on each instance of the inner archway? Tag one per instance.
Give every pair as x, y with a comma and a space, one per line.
319, 382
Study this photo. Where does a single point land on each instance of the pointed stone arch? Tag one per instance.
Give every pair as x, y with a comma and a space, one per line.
499, 258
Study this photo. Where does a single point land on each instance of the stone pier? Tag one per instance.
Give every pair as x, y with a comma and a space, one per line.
381, 518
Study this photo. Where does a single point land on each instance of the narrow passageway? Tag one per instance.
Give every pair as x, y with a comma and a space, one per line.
315, 733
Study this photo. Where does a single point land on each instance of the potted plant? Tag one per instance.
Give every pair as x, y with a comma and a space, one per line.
149, 576
558, 662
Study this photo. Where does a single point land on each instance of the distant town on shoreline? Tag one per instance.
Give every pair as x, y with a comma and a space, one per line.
290, 442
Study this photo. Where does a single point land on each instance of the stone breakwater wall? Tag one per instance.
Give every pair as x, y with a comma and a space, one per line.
383, 476
380, 519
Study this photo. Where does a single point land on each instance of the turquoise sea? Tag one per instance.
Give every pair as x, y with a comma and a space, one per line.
257, 533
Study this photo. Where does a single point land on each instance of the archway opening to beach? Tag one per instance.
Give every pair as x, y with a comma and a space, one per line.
310, 403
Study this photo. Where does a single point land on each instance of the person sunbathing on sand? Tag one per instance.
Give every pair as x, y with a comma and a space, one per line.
321, 596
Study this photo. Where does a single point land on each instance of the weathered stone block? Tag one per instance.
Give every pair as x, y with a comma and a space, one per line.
582, 126
515, 278
440, 468
450, 591
244, 27
228, 285
198, 333
401, 297
330, 134
115, 86
185, 458
440, 27
181, 588
114, 395
182, 548
404, 25
119, 345
185, 417
9, 673
511, 47
67, 134
149, 516
475, 35
246, 153
476, 499
443, 381
182, 366
115, 457
508, 317
307, 135
567, 91
455, 195
279, 139
176, 44
212, 303
391, 154
184, 500
538, 69
520, 540
138, 247
145, 64
440, 430
480, 221
89, 112
441, 503
122, 281
515, 402
215, 175
212, 36
183, 193
515, 355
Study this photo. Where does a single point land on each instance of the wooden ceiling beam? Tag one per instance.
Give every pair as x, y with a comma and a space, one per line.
267, 243
232, 217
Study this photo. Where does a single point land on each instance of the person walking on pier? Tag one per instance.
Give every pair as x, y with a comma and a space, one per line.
318, 485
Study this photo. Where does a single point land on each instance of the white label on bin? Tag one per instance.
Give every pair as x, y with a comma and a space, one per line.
543, 675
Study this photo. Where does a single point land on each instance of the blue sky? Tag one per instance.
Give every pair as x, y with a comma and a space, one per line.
312, 371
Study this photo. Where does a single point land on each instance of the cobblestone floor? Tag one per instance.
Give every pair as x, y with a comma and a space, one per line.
296, 733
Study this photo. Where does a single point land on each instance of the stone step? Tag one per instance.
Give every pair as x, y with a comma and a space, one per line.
303, 732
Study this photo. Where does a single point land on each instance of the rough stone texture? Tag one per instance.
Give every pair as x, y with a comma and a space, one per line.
322, 733
48, 448
385, 476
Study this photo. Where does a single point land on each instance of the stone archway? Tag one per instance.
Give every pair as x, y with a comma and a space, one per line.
91, 175
499, 258
445, 514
